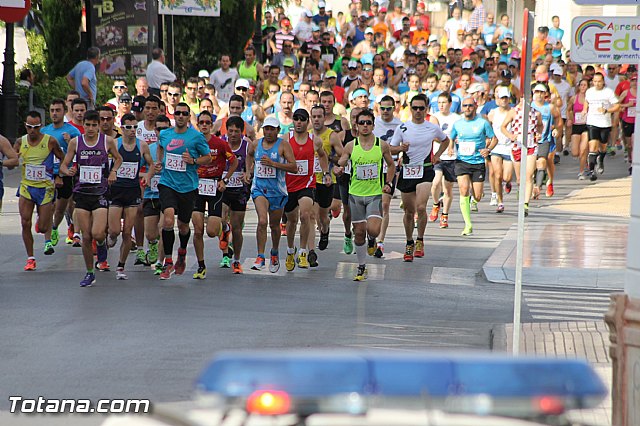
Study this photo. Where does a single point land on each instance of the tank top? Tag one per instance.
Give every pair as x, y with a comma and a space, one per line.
284, 128
517, 125
326, 145
93, 166
336, 125
628, 115
235, 181
305, 160
248, 72
547, 121
37, 165
268, 180
367, 178
578, 112
247, 114
129, 172
504, 144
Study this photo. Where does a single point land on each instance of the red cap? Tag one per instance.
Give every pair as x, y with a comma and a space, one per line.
383, 10
421, 4
285, 22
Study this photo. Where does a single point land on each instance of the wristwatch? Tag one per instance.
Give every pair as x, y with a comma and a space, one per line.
225, 180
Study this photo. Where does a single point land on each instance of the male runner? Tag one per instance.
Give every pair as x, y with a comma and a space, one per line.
9, 159
551, 121
90, 156
501, 154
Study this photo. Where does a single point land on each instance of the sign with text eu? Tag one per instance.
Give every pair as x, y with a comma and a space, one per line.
605, 40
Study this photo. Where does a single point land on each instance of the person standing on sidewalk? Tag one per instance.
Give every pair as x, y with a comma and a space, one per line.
82, 77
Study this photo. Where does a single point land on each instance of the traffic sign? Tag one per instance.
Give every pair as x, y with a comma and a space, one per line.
609, 2
14, 10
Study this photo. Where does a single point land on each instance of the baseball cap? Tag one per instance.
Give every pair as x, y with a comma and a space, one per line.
421, 5
288, 62
352, 64
557, 71
316, 48
508, 34
138, 103
270, 122
467, 65
285, 22
301, 112
433, 38
506, 74
540, 88
125, 97
330, 74
460, 31
369, 30
476, 87
203, 74
242, 82
315, 27
322, 5
308, 13
503, 92
383, 10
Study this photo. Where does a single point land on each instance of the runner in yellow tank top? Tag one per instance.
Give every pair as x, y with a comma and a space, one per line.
37, 186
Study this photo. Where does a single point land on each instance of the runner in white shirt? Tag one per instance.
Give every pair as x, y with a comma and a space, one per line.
223, 79
501, 154
600, 103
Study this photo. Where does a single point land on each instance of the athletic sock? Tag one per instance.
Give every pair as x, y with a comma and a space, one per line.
303, 251
361, 252
465, 209
347, 235
47, 241
539, 177
120, 264
274, 252
291, 250
602, 156
592, 160
201, 264
168, 239
184, 239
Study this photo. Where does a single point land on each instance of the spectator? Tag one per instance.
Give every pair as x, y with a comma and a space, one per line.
224, 78
157, 72
119, 87
453, 4
502, 29
453, 26
82, 78
142, 87
303, 31
478, 16
26, 78
555, 36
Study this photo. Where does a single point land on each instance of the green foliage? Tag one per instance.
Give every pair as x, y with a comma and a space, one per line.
61, 24
38, 55
200, 41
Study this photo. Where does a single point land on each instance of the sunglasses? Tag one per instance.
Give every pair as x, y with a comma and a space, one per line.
207, 122
163, 91
32, 126
418, 108
200, 87
388, 108
299, 118
106, 118
367, 69
365, 123
129, 127
174, 95
182, 113
125, 102
119, 87
468, 105
242, 89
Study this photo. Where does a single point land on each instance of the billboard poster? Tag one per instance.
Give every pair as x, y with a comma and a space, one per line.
122, 34
190, 7
605, 40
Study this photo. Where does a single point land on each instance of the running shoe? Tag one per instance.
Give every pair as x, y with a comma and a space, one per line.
494, 200
152, 253
303, 262
120, 275
500, 208
313, 259
444, 221
70, 235
371, 246
101, 252
225, 262
550, 190
611, 151
258, 264
581, 176
419, 252
599, 165
103, 266
468, 230
112, 241
435, 211
408, 253
55, 237
324, 241
200, 274
593, 176
31, 265
556, 159
565, 152
181, 263
48, 248
167, 271
236, 267
88, 280
526, 209
361, 274
274, 264
224, 238
507, 187
141, 258
157, 268
335, 213
379, 250
401, 205
474, 205
283, 229
77, 241
347, 247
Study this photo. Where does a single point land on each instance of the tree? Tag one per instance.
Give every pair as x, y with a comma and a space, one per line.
62, 20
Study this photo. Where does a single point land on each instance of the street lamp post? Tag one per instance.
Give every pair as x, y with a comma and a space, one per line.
257, 34
9, 95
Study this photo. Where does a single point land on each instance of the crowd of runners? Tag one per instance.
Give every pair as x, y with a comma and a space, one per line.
343, 114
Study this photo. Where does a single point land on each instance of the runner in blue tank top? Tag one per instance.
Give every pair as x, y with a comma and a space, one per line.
551, 120
269, 160
89, 154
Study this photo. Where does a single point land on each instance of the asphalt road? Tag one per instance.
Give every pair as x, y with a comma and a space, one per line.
145, 338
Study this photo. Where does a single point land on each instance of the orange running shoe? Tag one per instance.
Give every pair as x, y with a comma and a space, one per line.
444, 221
419, 252
550, 190
31, 265
283, 229
224, 239
236, 267
433, 216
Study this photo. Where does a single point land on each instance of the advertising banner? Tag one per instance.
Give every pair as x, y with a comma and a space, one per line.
605, 40
190, 7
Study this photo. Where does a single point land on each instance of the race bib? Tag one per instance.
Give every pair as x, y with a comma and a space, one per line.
153, 185
56, 160
235, 181
631, 111
347, 168
303, 168
90, 174
581, 118
264, 171
175, 162
466, 148
316, 165
327, 57
35, 172
207, 187
367, 171
127, 170
384, 166
412, 171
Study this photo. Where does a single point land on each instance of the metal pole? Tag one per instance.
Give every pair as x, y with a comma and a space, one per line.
169, 50
9, 96
257, 34
150, 32
525, 73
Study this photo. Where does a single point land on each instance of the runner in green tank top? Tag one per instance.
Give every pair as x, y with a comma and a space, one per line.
365, 155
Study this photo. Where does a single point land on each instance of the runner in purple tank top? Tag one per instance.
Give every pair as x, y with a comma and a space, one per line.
88, 160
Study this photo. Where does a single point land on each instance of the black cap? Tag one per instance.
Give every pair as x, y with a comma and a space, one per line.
138, 103
506, 74
301, 112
